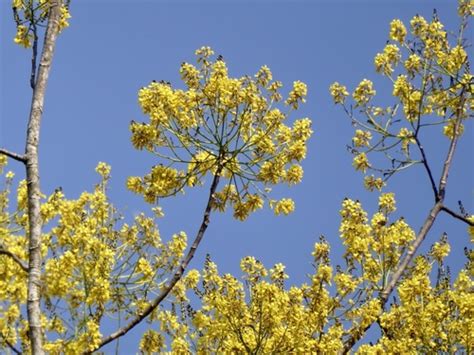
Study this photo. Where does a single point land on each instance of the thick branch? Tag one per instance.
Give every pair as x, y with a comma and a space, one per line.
15, 258
15, 156
177, 275
452, 148
458, 216
33, 180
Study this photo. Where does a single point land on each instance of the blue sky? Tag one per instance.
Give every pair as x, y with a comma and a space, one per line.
113, 48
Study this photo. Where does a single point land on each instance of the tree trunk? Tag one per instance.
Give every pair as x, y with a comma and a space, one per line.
33, 181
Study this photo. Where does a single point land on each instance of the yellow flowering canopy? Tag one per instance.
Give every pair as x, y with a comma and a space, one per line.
224, 126
432, 86
261, 314
96, 266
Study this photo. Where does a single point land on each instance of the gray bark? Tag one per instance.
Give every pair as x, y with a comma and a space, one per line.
33, 182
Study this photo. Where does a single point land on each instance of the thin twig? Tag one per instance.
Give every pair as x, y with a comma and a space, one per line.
458, 216
427, 168
15, 258
34, 55
15, 156
177, 275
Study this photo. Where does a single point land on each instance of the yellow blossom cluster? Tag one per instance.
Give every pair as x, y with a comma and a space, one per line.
93, 262
227, 127
260, 314
427, 318
431, 84
29, 13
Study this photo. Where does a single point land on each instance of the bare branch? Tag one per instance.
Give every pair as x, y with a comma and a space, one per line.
15, 258
10, 345
15, 156
34, 55
427, 168
458, 216
177, 275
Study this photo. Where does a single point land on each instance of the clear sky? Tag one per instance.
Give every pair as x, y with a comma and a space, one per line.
112, 48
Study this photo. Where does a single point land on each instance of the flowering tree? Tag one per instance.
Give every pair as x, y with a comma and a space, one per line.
90, 265
69, 266
433, 88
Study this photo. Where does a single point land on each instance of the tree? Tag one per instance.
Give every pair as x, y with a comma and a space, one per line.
95, 265
75, 264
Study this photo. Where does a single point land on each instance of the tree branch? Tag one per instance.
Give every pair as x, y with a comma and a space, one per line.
458, 216
177, 275
452, 148
15, 156
15, 258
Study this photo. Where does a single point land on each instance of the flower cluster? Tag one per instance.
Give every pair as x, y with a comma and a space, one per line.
222, 126
431, 84
94, 263
29, 13
260, 313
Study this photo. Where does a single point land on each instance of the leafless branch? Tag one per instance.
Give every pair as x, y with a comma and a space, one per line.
34, 55
15, 156
458, 216
427, 168
15, 258
11, 346
177, 275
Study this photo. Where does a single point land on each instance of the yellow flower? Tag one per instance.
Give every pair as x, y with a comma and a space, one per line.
285, 206
397, 31
440, 250
23, 37
387, 202
103, 169
297, 95
362, 138
151, 342
413, 64
371, 183
418, 25
294, 174
18, 4
406, 137
64, 18
471, 229
338, 93
360, 162
364, 92
449, 129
